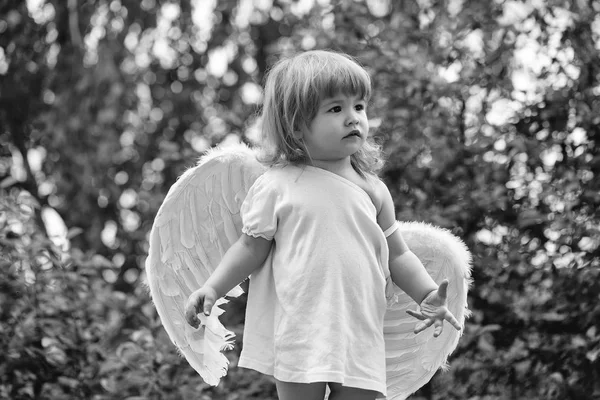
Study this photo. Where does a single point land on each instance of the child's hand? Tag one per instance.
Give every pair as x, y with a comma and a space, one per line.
434, 310
202, 299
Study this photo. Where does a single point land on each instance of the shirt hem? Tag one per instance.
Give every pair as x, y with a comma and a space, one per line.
323, 376
263, 368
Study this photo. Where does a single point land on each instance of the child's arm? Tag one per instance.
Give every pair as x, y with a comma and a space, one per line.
409, 274
243, 257
406, 269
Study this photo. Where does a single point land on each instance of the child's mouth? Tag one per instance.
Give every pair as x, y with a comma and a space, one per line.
354, 133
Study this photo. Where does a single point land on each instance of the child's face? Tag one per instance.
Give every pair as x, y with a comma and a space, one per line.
339, 129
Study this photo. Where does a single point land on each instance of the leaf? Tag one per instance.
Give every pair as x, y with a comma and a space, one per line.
530, 218
131, 353
522, 368
7, 182
109, 384
76, 231
592, 355
56, 356
49, 342
553, 316
101, 261
485, 343
109, 366
69, 382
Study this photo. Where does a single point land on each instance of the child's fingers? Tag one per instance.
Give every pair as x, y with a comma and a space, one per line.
438, 328
443, 289
208, 305
191, 311
452, 320
416, 315
193, 304
421, 326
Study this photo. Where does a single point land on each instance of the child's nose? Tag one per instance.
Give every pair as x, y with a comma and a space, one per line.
352, 118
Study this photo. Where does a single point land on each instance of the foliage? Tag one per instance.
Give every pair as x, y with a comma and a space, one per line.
65, 333
489, 116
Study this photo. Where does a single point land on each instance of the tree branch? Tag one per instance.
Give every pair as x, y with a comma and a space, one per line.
74, 24
17, 132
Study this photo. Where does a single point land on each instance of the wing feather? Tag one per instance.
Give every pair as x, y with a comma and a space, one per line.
411, 359
199, 220
196, 224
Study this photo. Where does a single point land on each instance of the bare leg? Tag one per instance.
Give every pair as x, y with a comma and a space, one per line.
339, 392
300, 391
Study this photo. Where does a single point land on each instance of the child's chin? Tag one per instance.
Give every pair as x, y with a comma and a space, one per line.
354, 143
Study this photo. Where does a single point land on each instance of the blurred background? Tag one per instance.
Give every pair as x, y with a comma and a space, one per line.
490, 116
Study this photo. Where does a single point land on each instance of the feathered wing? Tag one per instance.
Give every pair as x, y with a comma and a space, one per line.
196, 224
411, 359
199, 220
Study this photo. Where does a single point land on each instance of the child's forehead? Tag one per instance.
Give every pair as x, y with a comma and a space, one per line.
340, 96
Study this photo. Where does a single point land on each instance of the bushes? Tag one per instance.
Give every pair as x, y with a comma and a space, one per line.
65, 333
532, 336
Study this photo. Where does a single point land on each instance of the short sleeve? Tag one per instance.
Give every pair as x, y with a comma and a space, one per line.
259, 210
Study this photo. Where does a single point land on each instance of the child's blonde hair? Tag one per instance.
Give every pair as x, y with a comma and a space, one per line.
293, 90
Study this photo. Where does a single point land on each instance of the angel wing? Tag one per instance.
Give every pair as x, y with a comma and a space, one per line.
197, 222
411, 359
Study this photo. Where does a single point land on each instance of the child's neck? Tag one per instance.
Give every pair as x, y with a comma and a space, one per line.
341, 166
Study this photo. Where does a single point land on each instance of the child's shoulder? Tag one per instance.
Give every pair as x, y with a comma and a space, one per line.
276, 176
378, 191
374, 187
280, 172
382, 200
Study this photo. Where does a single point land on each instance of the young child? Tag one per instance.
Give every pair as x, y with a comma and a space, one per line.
320, 241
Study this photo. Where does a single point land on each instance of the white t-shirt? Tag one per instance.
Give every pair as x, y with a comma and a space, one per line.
315, 309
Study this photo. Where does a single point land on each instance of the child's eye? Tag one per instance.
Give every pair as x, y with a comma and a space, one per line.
335, 109
359, 107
